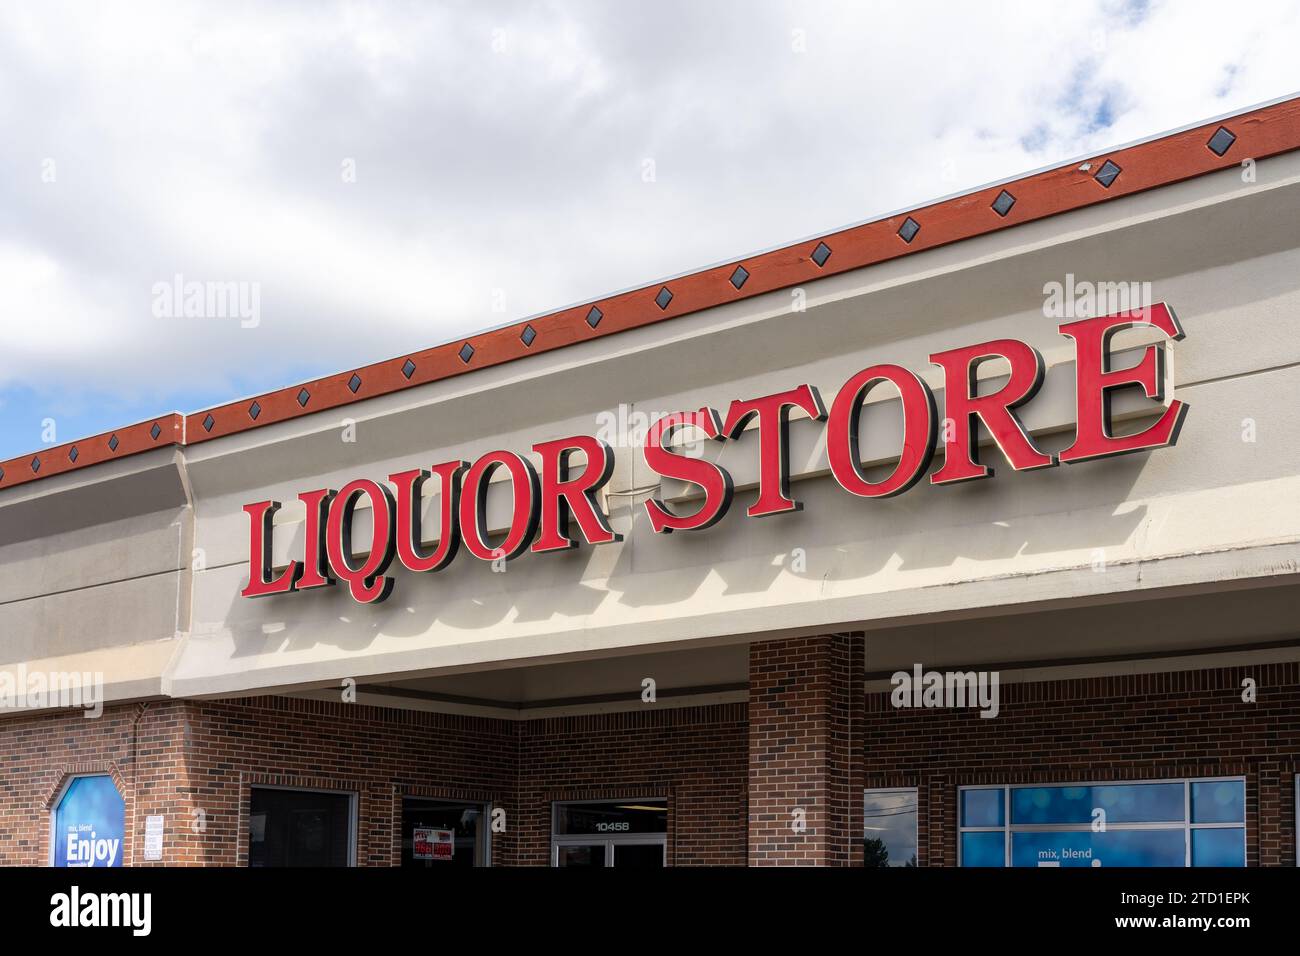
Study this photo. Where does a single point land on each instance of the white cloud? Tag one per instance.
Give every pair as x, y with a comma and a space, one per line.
501, 149
47, 312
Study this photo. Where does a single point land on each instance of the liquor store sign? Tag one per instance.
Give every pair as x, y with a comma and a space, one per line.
555, 506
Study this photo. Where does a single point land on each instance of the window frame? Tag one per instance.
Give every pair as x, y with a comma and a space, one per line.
352, 815
1187, 826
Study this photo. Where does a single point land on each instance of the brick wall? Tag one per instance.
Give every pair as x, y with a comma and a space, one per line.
732, 773
138, 745
1148, 726
377, 753
196, 761
804, 711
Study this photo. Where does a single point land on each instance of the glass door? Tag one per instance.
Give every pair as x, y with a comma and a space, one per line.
611, 853
581, 854
598, 833
647, 856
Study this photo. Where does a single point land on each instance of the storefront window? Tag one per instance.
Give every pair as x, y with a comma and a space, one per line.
1127, 803
631, 833
1218, 801
1168, 823
983, 808
889, 828
983, 849
89, 823
300, 828
439, 833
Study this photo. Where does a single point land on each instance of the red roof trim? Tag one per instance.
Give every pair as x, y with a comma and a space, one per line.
157, 432
1259, 133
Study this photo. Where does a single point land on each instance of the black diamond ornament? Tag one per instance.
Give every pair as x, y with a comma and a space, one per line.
1221, 141
1108, 173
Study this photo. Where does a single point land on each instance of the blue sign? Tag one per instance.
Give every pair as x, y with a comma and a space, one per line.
90, 823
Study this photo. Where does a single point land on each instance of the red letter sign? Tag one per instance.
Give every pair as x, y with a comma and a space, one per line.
1094, 381
714, 479
543, 507
773, 413
260, 516
473, 506
918, 432
564, 497
315, 564
962, 406
367, 582
409, 496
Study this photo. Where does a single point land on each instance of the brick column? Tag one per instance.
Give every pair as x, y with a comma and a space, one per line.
805, 751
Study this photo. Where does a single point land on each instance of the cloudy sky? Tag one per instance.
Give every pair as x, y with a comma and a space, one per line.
389, 176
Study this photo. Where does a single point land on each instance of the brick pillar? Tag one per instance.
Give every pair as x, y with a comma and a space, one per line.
806, 709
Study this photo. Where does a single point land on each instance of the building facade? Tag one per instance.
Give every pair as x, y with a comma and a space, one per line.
968, 536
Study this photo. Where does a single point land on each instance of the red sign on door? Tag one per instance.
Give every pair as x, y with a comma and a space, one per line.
430, 844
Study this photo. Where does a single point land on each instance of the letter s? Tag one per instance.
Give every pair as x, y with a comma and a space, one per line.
714, 479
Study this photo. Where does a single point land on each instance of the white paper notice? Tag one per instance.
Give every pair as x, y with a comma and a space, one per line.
153, 838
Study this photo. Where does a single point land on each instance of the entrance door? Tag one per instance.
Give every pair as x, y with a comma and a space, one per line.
647, 856
598, 833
